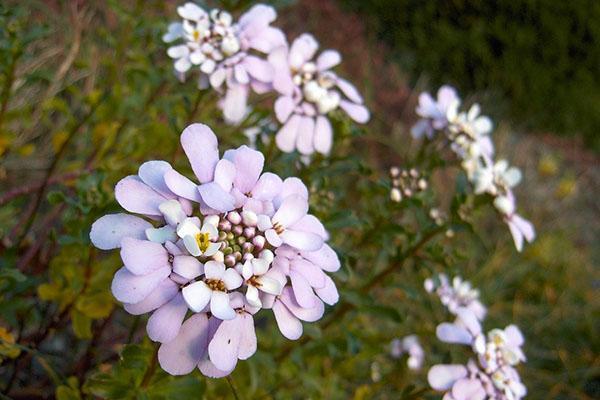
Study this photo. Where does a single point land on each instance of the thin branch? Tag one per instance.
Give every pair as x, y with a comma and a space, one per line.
232, 387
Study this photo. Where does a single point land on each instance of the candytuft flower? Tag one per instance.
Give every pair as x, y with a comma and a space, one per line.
411, 346
218, 250
228, 55
456, 294
309, 91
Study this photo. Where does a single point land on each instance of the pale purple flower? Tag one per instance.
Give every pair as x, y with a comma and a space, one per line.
200, 248
493, 375
434, 113
456, 294
227, 54
309, 91
410, 346
520, 228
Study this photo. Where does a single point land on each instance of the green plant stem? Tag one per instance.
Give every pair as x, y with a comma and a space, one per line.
5, 96
232, 387
151, 368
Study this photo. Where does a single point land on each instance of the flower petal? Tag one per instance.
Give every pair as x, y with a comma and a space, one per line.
286, 137
303, 293
310, 314
137, 197
130, 288
215, 197
292, 209
164, 324
288, 324
323, 139
451, 333
248, 164
268, 186
197, 296
214, 270
306, 133
152, 174
235, 104
247, 346
302, 240
224, 346
443, 376
232, 279
162, 294
201, 148
142, 257
357, 112
220, 308
325, 258
329, 293
187, 266
181, 355
108, 231
349, 90
328, 59
284, 106
182, 186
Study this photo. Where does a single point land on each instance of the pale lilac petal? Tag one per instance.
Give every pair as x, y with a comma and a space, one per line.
328, 59
302, 291
293, 186
258, 68
215, 197
152, 174
288, 324
349, 90
302, 50
201, 148
468, 389
240, 74
249, 165
108, 231
187, 266
268, 186
224, 346
269, 39
197, 295
468, 318
357, 112
247, 346
516, 234
214, 270
273, 238
256, 19
313, 274
525, 227
208, 369
514, 335
141, 257
443, 376
178, 51
306, 314
225, 174
182, 186
137, 197
161, 235
306, 133
220, 308
163, 293
293, 208
325, 258
232, 279
284, 106
302, 240
286, 137
181, 355
235, 104
130, 288
310, 223
323, 139
451, 333
328, 293
164, 324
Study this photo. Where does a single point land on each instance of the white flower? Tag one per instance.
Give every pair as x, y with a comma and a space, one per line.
213, 289
199, 241
254, 272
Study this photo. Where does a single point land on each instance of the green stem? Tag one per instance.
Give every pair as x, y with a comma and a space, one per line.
10, 77
232, 387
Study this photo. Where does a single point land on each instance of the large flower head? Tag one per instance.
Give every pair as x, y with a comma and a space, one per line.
309, 91
218, 249
226, 53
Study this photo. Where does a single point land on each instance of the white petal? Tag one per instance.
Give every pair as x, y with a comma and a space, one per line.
220, 307
197, 295
232, 279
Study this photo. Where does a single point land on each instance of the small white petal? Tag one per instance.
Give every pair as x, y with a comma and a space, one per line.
197, 295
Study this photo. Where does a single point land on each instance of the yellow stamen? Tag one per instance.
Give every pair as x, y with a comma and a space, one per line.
203, 241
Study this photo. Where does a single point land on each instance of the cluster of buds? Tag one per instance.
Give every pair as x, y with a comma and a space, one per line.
410, 346
468, 133
406, 183
456, 294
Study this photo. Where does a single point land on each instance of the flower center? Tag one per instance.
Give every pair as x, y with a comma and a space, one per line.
215, 284
203, 240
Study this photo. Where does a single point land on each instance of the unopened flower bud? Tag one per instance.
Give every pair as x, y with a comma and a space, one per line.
237, 230
249, 232
394, 172
249, 218
225, 226
422, 184
247, 256
230, 260
234, 217
218, 256
259, 242
247, 247
395, 195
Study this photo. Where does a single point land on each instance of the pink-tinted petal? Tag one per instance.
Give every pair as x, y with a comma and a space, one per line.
310, 223
470, 321
293, 208
325, 258
302, 50
306, 133
468, 389
284, 106
303, 293
235, 104
181, 355
197, 295
108, 231
443, 376
329, 293
323, 139
525, 227
357, 112
313, 274
215, 197
240, 74
306, 314
286, 137
163, 293
232, 279
152, 174
302, 240
514, 335
268, 186
349, 90
247, 346
201, 148
273, 238
164, 324
259, 69
224, 346
249, 164
130, 288
328, 59
187, 266
269, 39
220, 307
225, 174
137, 197
288, 324
451, 333
182, 186
214, 270
142, 256
208, 369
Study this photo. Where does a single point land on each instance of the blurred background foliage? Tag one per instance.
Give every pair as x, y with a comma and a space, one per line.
537, 60
87, 94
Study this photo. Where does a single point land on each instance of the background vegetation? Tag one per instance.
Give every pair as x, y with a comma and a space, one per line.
88, 94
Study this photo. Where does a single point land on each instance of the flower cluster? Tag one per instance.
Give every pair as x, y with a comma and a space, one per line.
405, 183
411, 346
491, 374
251, 54
222, 249
456, 295
468, 133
